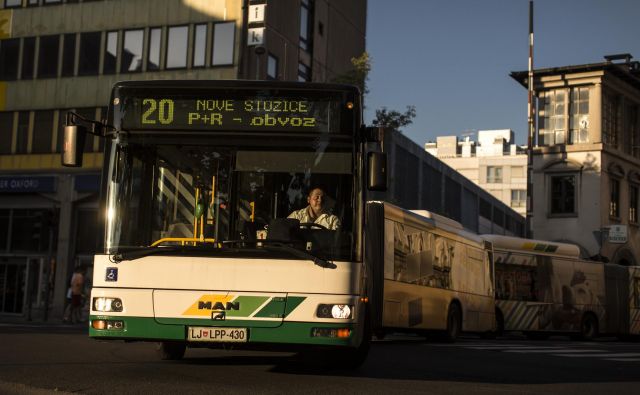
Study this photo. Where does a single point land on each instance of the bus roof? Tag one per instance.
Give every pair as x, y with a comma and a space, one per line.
530, 245
431, 220
242, 84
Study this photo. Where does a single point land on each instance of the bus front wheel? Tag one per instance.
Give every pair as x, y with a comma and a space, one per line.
170, 350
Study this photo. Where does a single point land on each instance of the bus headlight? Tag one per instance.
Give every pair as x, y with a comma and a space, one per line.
341, 311
107, 304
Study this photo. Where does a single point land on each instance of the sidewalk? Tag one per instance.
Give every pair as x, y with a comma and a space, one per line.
54, 320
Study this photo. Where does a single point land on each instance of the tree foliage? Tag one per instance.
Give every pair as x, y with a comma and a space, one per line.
358, 76
394, 119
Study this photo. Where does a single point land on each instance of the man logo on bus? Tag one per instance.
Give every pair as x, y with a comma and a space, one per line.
209, 305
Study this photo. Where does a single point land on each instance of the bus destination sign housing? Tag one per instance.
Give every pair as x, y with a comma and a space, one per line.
221, 112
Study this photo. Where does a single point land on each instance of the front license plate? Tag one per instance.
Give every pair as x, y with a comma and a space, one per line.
208, 334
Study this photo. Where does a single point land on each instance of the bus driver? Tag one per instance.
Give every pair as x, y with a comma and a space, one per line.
316, 212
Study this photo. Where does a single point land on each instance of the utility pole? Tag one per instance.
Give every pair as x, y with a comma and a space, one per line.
531, 131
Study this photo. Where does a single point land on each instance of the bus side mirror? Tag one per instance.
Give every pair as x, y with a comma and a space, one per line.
73, 144
377, 164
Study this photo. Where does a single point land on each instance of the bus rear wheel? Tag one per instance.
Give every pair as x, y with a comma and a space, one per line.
588, 327
171, 351
454, 323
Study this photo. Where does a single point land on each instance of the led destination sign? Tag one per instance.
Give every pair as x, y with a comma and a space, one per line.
246, 114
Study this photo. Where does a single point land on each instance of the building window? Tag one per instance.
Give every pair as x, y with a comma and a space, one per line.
28, 229
6, 132
22, 136
48, 56
131, 56
306, 25
485, 209
5, 216
304, 72
498, 217
42, 132
494, 175
631, 126
563, 199
86, 231
614, 198
633, 204
552, 125
223, 40
9, 51
610, 119
110, 53
579, 115
177, 47
199, 45
68, 54
12, 3
272, 67
28, 57
518, 197
153, 59
89, 53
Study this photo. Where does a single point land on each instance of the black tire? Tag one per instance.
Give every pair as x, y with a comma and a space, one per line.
170, 351
341, 358
454, 323
352, 358
589, 327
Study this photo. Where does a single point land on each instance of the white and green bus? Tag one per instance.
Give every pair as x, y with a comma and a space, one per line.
198, 181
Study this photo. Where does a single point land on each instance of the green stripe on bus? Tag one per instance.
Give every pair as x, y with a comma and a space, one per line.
248, 304
273, 309
292, 303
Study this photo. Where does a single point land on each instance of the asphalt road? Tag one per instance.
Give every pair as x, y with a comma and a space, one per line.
62, 359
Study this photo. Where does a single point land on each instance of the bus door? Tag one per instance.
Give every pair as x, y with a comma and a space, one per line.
617, 280
521, 290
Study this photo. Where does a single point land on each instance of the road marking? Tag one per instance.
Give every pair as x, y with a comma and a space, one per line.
555, 350
623, 359
558, 350
613, 355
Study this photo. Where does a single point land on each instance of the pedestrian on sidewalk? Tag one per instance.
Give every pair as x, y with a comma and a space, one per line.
74, 312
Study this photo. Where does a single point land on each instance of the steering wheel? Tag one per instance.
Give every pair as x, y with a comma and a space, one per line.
310, 225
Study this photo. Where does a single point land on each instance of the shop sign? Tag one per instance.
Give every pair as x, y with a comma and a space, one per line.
27, 184
618, 234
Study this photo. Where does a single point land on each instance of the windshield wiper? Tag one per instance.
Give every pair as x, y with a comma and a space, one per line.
142, 252
279, 246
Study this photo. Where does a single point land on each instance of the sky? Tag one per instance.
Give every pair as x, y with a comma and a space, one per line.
451, 59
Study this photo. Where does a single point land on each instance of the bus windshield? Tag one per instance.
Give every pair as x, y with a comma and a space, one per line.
208, 196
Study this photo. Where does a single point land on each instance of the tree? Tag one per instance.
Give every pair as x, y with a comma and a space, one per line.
358, 76
394, 119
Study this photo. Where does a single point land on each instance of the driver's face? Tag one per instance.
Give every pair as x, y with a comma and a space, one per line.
316, 199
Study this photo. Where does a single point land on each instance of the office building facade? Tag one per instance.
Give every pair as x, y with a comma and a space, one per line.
586, 162
494, 162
